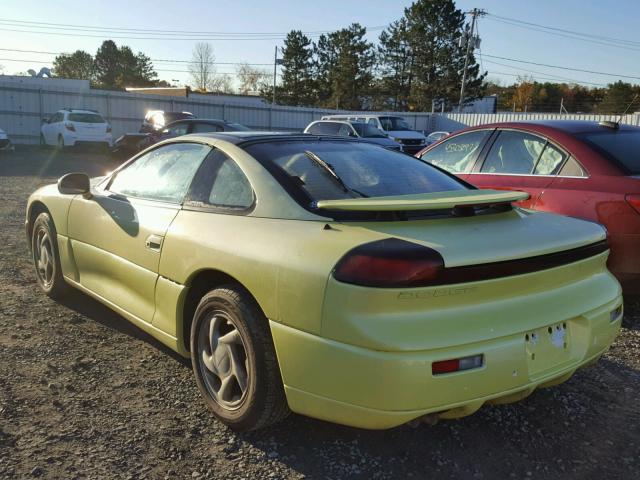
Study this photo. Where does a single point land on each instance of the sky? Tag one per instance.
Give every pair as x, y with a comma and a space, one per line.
501, 37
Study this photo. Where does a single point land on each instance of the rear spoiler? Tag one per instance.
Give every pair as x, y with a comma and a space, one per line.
426, 201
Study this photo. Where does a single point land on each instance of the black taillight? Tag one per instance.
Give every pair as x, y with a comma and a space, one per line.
398, 263
390, 263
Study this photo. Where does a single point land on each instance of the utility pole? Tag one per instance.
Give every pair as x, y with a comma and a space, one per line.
473, 42
276, 61
275, 65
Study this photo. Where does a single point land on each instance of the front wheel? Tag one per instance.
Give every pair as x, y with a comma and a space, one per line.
234, 361
44, 248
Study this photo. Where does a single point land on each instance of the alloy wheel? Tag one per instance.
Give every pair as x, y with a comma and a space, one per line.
224, 365
43, 256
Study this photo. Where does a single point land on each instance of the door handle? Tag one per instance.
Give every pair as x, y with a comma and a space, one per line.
154, 242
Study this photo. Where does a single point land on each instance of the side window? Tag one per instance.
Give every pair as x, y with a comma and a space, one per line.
345, 130
458, 153
221, 183
205, 128
163, 174
179, 129
315, 128
326, 128
572, 169
550, 161
374, 122
513, 152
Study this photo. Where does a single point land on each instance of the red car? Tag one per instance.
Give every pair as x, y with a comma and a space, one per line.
582, 169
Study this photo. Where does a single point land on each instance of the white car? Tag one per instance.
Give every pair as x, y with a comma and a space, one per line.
69, 127
5, 143
395, 127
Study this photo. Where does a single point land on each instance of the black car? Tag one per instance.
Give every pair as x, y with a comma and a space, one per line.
200, 125
156, 120
130, 144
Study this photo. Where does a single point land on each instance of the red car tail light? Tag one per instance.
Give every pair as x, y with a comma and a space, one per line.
390, 263
70, 127
634, 201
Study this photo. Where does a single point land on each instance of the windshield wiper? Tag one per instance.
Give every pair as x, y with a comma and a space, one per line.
327, 167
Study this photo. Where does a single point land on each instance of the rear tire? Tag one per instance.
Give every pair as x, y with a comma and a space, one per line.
235, 362
46, 259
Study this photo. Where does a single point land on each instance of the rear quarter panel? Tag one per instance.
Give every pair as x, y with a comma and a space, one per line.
284, 264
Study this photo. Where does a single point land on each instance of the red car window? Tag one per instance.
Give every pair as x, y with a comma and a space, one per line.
513, 152
457, 154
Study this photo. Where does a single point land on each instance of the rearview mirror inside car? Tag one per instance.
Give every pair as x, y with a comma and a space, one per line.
74, 184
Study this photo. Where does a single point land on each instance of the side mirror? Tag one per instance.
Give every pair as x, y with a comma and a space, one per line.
74, 184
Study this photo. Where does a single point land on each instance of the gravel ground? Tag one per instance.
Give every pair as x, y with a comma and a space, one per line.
84, 394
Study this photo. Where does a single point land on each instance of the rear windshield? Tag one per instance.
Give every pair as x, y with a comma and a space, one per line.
86, 118
365, 170
236, 127
622, 146
394, 123
368, 131
173, 116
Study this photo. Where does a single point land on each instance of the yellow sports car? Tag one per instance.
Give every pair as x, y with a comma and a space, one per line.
330, 277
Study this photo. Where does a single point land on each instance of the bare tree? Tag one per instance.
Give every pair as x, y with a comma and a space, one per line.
251, 79
202, 68
223, 83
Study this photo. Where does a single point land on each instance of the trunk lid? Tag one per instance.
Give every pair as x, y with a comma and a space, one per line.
488, 238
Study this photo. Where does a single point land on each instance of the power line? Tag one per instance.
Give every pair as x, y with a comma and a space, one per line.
563, 68
140, 34
209, 39
152, 59
572, 32
155, 69
160, 31
566, 35
573, 80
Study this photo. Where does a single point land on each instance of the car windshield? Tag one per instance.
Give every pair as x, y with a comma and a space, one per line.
394, 123
236, 127
622, 145
362, 169
173, 116
368, 131
86, 118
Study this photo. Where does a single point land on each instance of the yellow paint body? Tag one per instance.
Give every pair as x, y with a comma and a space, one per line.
354, 355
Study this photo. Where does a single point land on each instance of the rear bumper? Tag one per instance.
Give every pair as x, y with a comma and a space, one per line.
71, 139
375, 389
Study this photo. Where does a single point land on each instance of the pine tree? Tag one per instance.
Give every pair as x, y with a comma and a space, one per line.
297, 86
344, 66
395, 60
422, 60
